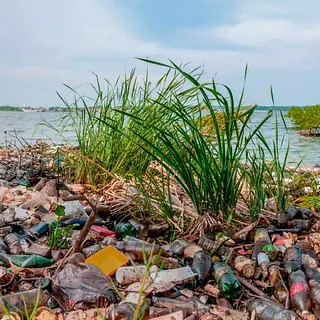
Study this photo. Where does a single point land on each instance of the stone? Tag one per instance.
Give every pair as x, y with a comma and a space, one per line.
41, 250
15, 214
39, 186
74, 209
171, 316
38, 199
58, 254
50, 189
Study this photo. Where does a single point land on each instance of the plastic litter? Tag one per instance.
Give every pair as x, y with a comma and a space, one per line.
108, 260
82, 286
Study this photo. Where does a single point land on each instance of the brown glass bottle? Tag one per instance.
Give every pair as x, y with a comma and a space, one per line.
299, 224
201, 265
261, 238
267, 310
292, 259
299, 292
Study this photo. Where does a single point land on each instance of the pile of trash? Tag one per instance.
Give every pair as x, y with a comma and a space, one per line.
125, 270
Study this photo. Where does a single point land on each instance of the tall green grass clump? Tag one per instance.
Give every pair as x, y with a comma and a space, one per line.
209, 170
107, 150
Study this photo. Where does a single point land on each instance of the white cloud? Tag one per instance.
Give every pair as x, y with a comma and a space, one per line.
46, 43
270, 33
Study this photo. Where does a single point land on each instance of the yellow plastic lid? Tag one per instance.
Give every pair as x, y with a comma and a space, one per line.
108, 260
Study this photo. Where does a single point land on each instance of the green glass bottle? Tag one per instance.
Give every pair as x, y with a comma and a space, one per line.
31, 261
124, 229
227, 281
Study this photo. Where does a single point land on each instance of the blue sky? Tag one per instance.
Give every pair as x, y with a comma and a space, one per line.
47, 43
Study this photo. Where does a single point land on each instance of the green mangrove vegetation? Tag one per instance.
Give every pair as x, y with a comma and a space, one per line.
10, 108
181, 133
306, 119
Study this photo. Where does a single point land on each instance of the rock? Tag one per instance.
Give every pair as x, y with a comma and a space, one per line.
38, 199
17, 192
39, 186
133, 297
3, 193
172, 316
76, 188
92, 314
50, 189
2, 207
15, 214
48, 217
75, 258
58, 254
74, 209
35, 248
88, 209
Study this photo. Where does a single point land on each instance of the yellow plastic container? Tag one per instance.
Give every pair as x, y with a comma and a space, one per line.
108, 260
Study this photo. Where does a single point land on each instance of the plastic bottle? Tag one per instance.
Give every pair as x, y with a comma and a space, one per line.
176, 276
267, 310
207, 242
299, 224
299, 292
306, 213
177, 247
313, 273
125, 229
201, 265
193, 306
79, 223
157, 230
274, 275
315, 291
281, 294
292, 259
141, 229
245, 266
228, 283
89, 251
309, 259
40, 229
12, 241
128, 275
138, 248
290, 214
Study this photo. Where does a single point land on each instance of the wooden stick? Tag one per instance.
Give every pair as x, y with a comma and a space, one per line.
245, 230
84, 232
254, 289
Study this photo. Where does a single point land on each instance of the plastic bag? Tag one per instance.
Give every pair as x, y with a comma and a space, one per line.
83, 286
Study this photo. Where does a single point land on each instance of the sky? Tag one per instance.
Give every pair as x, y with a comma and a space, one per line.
45, 44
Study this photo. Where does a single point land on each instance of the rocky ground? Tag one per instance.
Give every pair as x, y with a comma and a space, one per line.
126, 268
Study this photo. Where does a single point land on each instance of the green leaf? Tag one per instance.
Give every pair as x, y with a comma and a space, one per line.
60, 212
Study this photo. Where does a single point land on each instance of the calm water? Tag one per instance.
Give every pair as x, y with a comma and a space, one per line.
25, 125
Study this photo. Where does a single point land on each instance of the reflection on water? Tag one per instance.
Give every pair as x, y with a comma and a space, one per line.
25, 125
